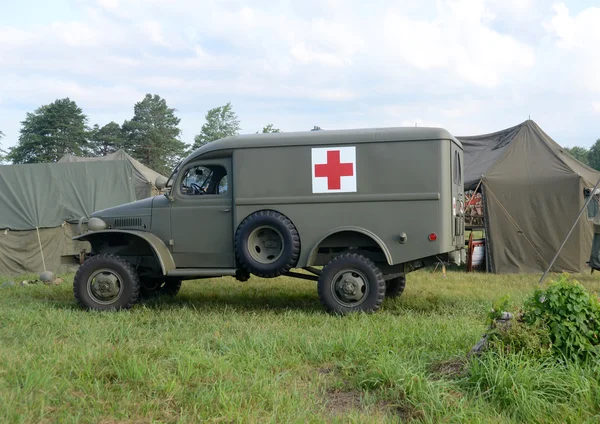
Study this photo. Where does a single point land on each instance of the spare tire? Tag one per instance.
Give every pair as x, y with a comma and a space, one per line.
267, 244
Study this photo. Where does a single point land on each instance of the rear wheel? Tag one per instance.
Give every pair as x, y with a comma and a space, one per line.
351, 283
106, 282
153, 287
395, 286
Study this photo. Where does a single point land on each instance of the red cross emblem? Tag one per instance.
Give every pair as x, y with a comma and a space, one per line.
334, 169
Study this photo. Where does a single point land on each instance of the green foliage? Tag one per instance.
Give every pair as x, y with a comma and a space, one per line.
220, 122
594, 155
152, 136
518, 337
562, 320
499, 306
514, 335
269, 129
579, 153
50, 132
571, 314
106, 140
532, 390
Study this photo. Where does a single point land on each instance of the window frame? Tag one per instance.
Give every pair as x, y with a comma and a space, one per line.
213, 166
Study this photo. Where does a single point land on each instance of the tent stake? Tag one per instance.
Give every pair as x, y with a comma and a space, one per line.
570, 231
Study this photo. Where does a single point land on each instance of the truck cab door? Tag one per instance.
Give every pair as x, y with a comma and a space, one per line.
201, 215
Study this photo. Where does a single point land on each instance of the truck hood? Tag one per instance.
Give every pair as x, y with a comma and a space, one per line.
138, 208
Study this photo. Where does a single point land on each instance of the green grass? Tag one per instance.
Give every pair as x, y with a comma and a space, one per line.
265, 351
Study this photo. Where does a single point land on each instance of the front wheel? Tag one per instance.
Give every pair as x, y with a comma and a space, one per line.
106, 282
349, 283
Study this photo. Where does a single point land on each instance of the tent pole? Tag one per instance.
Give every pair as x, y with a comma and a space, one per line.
570, 231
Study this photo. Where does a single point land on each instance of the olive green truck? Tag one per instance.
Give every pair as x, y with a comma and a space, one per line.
353, 210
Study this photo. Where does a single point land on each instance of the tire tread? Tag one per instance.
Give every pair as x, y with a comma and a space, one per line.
287, 223
395, 286
125, 264
370, 265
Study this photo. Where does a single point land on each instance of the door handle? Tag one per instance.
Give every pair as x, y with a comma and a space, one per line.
225, 210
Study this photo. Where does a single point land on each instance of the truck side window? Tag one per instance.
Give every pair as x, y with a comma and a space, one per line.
456, 170
204, 179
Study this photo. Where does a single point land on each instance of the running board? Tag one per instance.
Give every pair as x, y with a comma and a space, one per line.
202, 272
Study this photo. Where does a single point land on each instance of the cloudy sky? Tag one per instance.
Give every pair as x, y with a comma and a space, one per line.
470, 66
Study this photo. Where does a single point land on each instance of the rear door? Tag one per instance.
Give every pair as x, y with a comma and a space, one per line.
458, 199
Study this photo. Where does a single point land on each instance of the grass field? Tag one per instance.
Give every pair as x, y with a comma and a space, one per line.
265, 351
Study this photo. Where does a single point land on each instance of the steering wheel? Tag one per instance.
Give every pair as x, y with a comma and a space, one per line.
197, 189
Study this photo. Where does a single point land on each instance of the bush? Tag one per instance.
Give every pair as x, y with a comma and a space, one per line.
571, 316
562, 320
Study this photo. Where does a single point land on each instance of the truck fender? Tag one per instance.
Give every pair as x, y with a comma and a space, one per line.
364, 231
160, 250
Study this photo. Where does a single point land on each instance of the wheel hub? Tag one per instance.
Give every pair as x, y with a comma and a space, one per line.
265, 244
105, 286
350, 287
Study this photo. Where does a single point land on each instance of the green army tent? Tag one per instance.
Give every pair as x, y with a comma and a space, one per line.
533, 191
40, 205
143, 177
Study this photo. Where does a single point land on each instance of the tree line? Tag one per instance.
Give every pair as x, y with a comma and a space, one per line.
590, 157
150, 136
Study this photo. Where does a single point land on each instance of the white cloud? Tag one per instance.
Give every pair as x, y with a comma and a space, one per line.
577, 38
467, 65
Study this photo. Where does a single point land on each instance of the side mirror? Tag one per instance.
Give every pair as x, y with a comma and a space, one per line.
160, 182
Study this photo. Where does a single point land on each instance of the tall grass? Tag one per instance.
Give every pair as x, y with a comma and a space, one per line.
265, 351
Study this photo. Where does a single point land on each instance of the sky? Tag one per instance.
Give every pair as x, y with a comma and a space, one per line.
469, 66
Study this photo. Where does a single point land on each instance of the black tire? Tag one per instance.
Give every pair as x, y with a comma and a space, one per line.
395, 286
278, 229
113, 271
360, 274
154, 287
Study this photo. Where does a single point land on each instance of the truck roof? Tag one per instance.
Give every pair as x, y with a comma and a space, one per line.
322, 137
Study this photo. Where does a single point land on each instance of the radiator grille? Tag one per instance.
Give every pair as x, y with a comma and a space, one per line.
128, 222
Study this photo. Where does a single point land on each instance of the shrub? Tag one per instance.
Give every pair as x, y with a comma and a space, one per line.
570, 314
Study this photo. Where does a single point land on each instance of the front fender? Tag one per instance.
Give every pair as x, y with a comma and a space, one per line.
161, 251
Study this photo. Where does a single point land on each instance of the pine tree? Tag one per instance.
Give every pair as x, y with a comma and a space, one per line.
220, 122
50, 132
152, 136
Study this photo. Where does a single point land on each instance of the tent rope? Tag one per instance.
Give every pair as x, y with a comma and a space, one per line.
41, 250
514, 223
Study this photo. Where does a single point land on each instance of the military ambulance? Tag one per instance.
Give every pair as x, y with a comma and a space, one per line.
353, 210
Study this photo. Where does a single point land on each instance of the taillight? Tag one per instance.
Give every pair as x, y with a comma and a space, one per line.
432, 237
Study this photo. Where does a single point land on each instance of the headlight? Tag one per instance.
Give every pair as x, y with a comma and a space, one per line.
96, 224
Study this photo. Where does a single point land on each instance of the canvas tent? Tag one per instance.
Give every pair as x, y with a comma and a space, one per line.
143, 177
40, 205
533, 191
